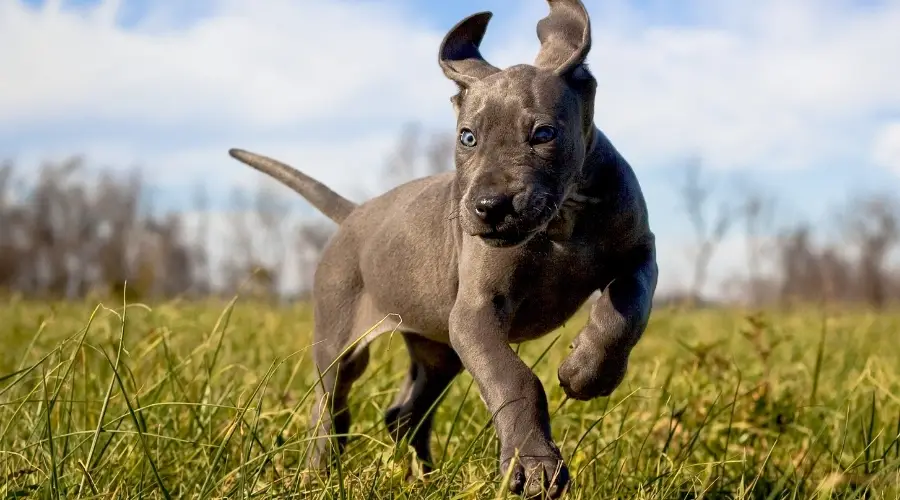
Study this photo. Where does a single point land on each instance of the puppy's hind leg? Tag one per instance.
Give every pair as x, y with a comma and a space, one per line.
340, 358
338, 368
433, 366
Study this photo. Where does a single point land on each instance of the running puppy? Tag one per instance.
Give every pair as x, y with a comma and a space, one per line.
541, 212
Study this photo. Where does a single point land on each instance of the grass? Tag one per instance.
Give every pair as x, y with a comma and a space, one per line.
210, 400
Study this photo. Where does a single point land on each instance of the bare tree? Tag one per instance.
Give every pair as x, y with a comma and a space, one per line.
311, 239
402, 163
246, 268
201, 267
439, 154
11, 237
709, 228
812, 272
799, 268
271, 210
872, 224
836, 281
73, 232
414, 156
758, 214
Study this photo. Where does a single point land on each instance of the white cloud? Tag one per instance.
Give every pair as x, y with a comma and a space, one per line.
886, 147
756, 84
783, 87
222, 234
271, 64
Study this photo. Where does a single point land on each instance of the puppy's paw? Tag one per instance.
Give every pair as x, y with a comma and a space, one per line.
543, 476
589, 372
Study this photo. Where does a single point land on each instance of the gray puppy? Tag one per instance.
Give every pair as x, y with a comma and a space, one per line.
541, 212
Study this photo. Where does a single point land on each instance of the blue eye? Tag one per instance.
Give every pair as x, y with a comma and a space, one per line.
542, 134
467, 138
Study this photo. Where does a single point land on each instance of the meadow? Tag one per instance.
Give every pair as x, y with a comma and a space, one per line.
210, 400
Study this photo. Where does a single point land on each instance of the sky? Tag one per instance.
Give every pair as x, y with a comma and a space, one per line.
800, 98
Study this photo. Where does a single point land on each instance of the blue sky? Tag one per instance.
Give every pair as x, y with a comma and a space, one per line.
795, 96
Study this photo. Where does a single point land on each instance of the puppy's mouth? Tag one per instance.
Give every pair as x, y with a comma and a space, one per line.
510, 225
504, 238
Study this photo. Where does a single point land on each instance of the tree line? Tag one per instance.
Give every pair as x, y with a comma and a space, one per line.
70, 231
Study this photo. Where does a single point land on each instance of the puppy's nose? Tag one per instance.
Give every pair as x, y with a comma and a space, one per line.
493, 208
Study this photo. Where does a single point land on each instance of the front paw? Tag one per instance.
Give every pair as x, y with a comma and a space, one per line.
590, 372
536, 474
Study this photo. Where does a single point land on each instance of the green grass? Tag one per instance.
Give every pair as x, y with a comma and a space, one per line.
190, 400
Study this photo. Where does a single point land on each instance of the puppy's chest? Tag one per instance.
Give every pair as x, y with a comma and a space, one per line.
552, 289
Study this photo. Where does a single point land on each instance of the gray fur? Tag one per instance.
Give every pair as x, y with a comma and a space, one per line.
503, 250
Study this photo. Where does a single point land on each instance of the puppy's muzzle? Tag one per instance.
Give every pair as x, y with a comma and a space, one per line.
503, 218
493, 209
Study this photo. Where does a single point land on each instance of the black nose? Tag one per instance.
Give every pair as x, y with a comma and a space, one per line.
493, 208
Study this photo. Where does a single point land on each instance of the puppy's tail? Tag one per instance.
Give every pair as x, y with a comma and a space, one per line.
333, 205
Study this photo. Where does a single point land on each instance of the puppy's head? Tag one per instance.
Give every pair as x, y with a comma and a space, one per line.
522, 132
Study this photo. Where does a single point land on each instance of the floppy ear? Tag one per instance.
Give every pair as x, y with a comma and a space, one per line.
459, 56
565, 36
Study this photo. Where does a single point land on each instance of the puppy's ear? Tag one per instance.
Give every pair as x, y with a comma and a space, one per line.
456, 101
565, 36
459, 56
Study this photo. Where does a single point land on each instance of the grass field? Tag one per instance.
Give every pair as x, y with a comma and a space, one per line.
187, 400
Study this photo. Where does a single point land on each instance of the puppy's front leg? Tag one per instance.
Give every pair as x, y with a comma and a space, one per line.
512, 393
599, 358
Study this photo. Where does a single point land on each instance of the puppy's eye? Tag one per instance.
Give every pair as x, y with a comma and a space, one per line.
542, 134
467, 138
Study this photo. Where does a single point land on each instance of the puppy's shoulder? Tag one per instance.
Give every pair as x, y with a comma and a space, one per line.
619, 204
